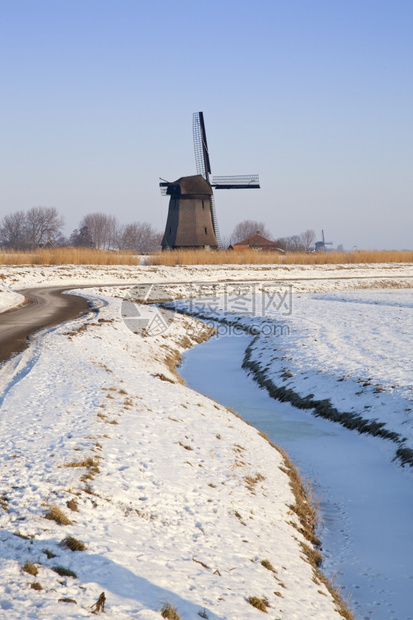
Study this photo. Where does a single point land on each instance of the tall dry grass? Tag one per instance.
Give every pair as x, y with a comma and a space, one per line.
68, 256
252, 257
89, 256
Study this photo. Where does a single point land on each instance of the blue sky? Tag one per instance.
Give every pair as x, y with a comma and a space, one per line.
314, 95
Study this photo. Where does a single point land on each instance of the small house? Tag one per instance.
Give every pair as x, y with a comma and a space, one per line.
256, 242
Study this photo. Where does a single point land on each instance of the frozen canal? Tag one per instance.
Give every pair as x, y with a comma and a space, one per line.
366, 501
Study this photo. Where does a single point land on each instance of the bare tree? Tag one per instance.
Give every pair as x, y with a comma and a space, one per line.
282, 243
13, 230
307, 238
42, 224
139, 237
103, 229
294, 244
246, 228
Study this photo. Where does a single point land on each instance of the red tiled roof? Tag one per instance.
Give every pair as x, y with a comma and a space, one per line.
256, 240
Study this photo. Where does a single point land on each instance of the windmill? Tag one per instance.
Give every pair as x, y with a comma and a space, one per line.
320, 246
192, 220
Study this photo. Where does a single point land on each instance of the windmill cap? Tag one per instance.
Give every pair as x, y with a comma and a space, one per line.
190, 186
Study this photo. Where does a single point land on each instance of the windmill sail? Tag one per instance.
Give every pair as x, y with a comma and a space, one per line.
203, 165
240, 181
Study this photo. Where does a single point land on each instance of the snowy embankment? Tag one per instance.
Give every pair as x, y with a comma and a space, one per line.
341, 348
167, 495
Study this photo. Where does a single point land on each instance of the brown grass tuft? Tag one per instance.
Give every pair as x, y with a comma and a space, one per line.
48, 553
24, 536
90, 461
252, 481
4, 502
72, 505
30, 568
267, 564
64, 572
73, 544
170, 612
186, 446
55, 514
35, 585
258, 603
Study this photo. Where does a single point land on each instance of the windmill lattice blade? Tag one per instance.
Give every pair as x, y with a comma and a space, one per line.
236, 182
215, 222
200, 145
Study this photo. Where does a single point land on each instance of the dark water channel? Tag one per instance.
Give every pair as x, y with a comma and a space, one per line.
366, 500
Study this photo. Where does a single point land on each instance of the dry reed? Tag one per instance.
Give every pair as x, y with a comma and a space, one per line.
90, 256
252, 257
68, 256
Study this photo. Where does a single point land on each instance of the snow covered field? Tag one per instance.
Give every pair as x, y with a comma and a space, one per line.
174, 497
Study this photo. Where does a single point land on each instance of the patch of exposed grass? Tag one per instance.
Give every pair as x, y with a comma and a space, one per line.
169, 611
35, 585
73, 544
186, 446
57, 515
49, 554
72, 505
163, 377
89, 462
253, 480
64, 572
239, 517
24, 536
267, 564
30, 568
258, 603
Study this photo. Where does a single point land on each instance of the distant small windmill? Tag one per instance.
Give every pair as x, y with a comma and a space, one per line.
192, 220
320, 246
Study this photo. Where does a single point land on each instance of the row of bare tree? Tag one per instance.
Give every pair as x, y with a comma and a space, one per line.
43, 225
21, 230
104, 232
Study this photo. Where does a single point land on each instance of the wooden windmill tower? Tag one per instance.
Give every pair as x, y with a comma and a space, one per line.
192, 221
